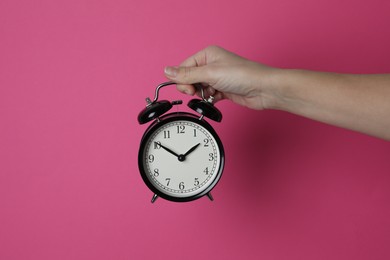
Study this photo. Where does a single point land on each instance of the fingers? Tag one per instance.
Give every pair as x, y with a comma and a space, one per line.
186, 79
194, 69
196, 60
186, 76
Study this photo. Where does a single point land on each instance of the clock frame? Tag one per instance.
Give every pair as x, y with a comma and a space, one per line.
156, 111
145, 173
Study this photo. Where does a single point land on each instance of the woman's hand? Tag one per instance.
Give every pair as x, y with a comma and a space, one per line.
357, 102
225, 76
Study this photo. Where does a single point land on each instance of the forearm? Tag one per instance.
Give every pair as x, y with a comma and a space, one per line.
356, 102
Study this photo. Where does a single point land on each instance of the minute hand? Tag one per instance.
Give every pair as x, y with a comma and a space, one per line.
167, 149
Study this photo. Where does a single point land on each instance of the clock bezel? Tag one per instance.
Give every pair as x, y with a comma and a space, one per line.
161, 121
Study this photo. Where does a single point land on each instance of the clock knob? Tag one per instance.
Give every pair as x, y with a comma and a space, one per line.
154, 110
206, 109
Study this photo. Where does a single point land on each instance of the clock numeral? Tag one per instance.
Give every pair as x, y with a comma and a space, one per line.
156, 173
157, 145
180, 129
194, 132
151, 158
211, 157
167, 134
206, 142
196, 182
181, 185
168, 180
206, 170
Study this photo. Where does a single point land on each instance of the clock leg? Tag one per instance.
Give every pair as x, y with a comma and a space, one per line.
154, 198
210, 197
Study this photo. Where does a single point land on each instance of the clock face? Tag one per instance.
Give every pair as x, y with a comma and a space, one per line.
182, 158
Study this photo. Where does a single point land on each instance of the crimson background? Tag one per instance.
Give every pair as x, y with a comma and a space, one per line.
73, 78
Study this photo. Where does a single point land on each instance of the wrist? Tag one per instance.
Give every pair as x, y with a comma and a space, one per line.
272, 88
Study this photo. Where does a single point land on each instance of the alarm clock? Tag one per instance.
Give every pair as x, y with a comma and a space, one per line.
181, 158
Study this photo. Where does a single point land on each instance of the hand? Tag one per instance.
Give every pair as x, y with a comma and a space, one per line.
225, 76
182, 157
358, 102
191, 150
167, 149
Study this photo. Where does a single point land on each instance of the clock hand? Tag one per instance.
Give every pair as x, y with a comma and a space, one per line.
182, 157
167, 149
191, 150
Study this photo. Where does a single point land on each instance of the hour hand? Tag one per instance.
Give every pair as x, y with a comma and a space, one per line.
182, 157
192, 149
167, 149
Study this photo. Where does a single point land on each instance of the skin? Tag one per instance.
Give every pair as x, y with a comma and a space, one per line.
356, 102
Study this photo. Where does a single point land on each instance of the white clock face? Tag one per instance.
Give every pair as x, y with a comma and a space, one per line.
181, 158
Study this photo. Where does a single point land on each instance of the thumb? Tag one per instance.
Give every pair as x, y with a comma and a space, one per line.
185, 75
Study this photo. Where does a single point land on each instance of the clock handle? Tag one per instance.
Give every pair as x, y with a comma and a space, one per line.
198, 86
153, 108
158, 90
203, 106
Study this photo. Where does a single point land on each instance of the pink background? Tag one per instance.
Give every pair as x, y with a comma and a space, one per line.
73, 77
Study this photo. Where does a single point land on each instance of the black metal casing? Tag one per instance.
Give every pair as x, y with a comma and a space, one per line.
161, 122
153, 111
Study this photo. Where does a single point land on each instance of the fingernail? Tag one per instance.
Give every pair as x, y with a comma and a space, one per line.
171, 71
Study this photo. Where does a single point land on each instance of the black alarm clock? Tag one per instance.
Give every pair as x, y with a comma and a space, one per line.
181, 158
